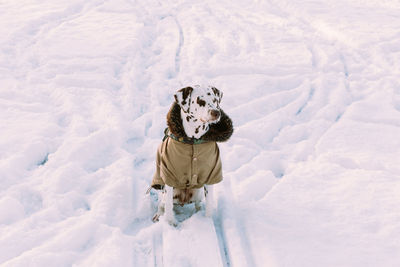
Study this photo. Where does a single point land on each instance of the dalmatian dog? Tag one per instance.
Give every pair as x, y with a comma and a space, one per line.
188, 159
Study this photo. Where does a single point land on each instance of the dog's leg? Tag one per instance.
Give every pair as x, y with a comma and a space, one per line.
209, 194
158, 214
169, 205
161, 207
197, 197
197, 205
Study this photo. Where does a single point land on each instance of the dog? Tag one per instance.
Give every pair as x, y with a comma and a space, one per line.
188, 159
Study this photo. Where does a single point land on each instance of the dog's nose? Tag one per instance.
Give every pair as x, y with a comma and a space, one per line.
215, 113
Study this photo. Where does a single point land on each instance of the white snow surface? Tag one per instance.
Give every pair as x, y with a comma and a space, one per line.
311, 173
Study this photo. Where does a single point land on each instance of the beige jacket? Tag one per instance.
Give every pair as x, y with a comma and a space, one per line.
183, 165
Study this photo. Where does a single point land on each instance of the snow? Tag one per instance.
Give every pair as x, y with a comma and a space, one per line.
310, 173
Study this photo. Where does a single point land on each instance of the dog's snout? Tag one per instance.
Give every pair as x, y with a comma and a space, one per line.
215, 113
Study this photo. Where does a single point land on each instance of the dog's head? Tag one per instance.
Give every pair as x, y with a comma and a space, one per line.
200, 103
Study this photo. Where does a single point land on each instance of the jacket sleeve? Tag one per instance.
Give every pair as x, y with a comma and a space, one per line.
157, 182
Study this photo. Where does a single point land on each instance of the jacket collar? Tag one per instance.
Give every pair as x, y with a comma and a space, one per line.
183, 139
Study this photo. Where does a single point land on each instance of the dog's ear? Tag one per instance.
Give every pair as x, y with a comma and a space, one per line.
218, 94
182, 97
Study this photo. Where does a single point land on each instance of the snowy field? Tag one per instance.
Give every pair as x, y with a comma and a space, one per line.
311, 173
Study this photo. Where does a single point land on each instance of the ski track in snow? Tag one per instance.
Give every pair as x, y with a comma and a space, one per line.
310, 174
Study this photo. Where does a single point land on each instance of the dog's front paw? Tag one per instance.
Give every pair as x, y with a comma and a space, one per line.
173, 222
197, 206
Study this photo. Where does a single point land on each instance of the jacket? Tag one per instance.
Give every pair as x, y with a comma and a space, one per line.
184, 165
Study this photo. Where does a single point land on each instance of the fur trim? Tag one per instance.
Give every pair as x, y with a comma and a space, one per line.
218, 132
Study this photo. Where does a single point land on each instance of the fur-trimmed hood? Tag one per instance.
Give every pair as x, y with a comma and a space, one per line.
218, 132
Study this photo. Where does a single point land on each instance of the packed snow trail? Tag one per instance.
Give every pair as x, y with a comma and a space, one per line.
310, 174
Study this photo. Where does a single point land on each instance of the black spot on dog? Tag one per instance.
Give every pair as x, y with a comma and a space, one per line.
189, 117
215, 90
203, 126
201, 102
185, 93
197, 130
208, 93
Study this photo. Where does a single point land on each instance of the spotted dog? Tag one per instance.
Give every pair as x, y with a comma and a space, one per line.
188, 161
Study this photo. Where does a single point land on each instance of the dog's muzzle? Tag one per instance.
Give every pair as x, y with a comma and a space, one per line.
215, 114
